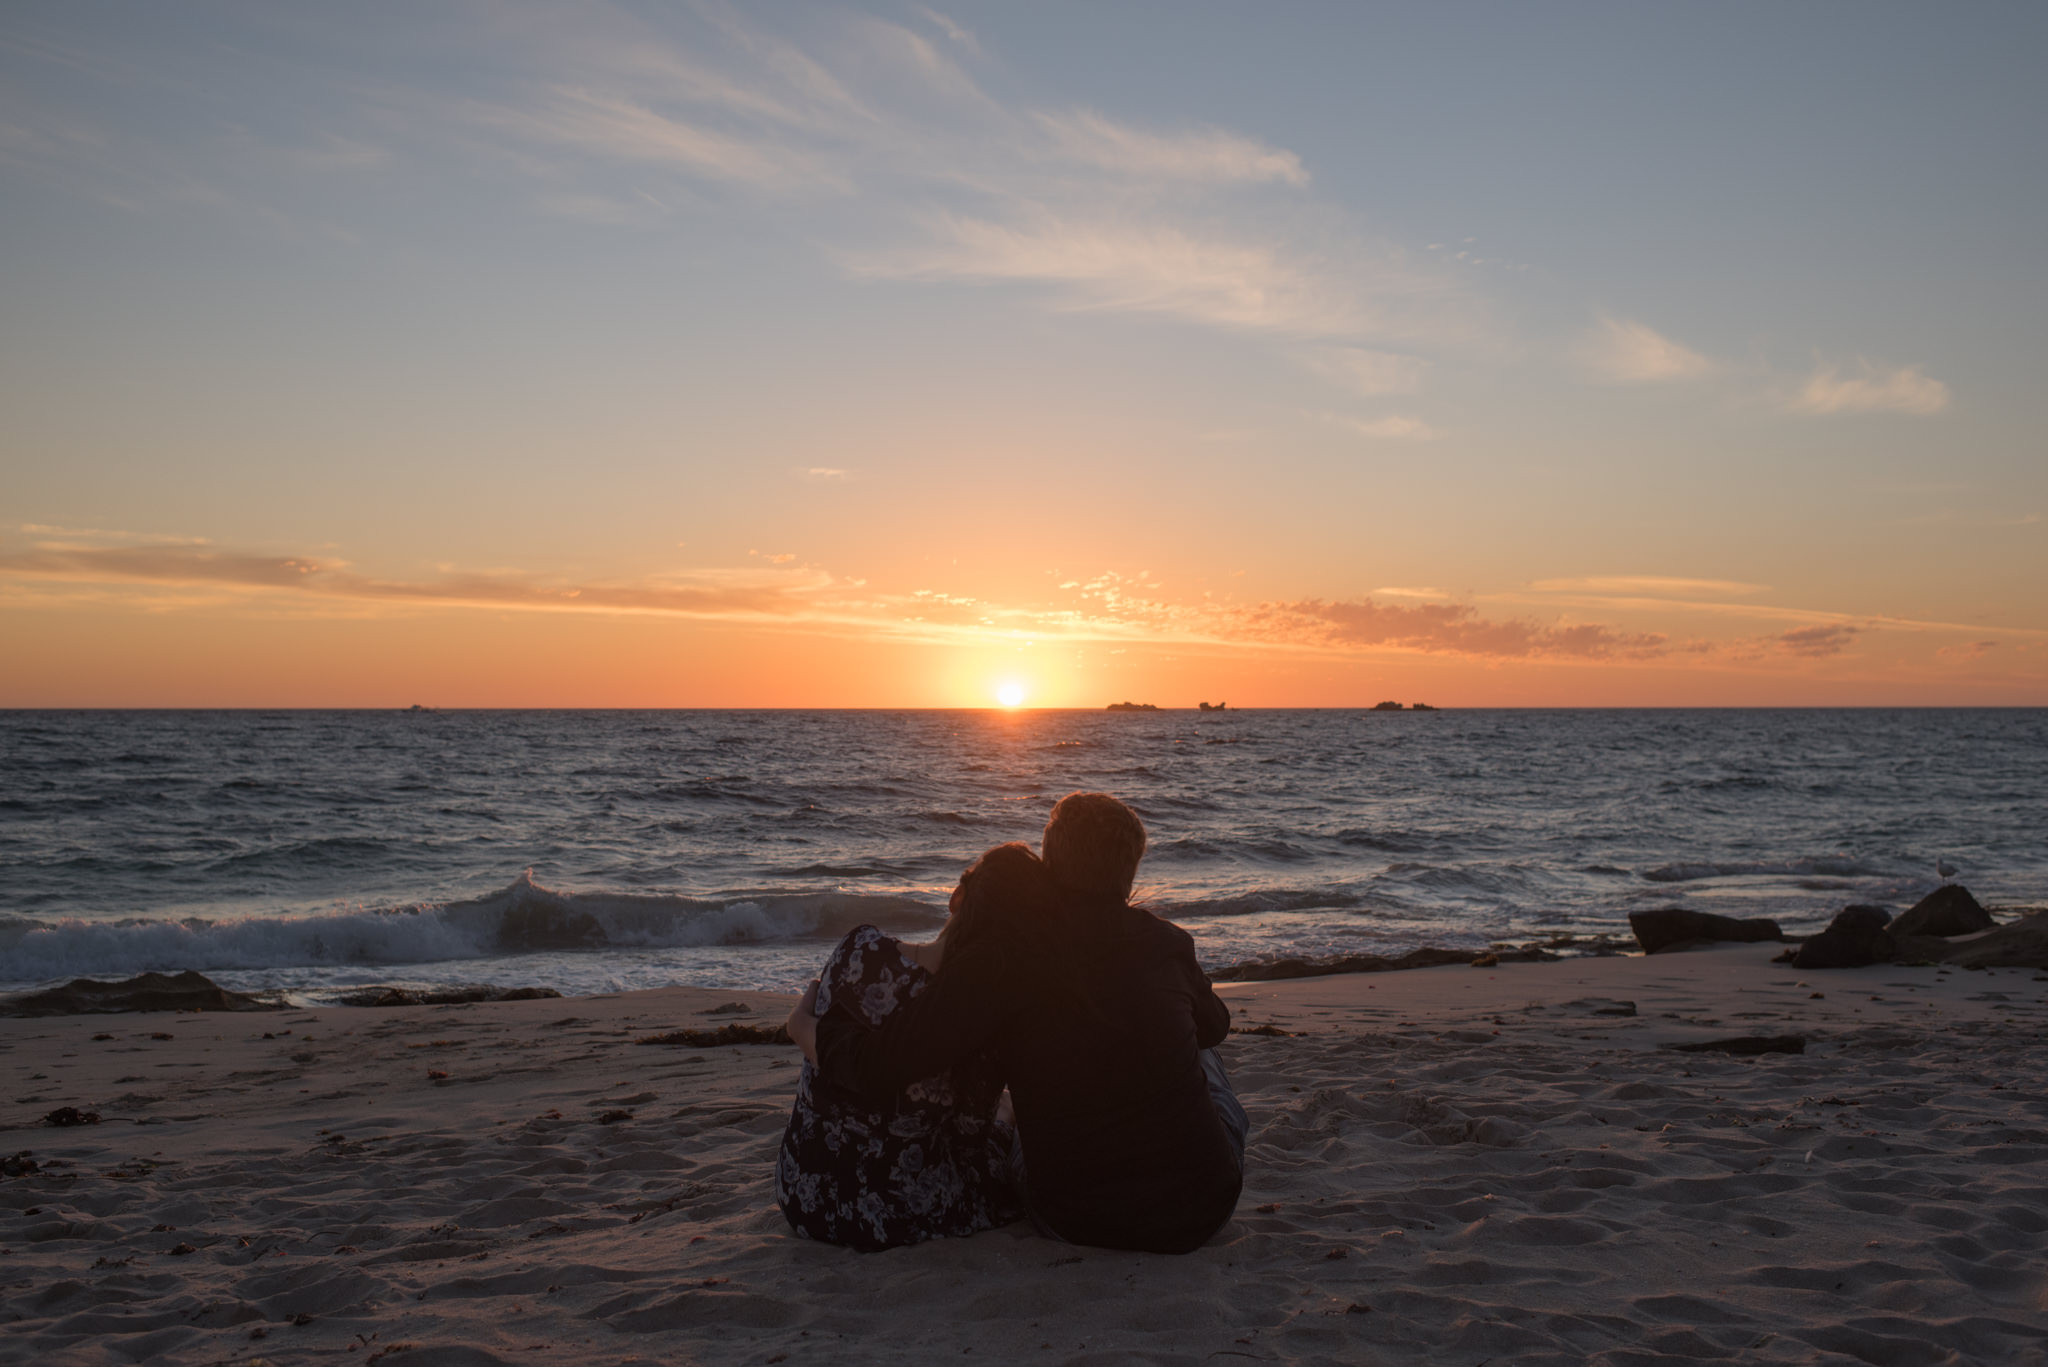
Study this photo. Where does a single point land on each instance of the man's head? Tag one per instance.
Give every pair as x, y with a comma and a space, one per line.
1093, 844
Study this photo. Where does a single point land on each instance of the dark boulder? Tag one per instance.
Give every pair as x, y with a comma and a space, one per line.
1670, 928
1855, 938
187, 991
1918, 949
1948, 910
2016, 944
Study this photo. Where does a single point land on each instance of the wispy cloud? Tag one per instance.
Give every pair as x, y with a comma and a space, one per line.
1818, 624
619, 128
64, 536
1130, 267
334, 579
1872, 388
1070, 199
1134, 609
953, 30
1207, 154
1109, 609
1647, 584
603, 209
1451, 628
1367, 372
1817, 642
1619, 351
940, 178
1394, 427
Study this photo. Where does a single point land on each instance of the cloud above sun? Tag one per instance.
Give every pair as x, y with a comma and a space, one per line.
1109, 609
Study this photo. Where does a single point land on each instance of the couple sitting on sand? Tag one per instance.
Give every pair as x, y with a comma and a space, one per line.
1045, 978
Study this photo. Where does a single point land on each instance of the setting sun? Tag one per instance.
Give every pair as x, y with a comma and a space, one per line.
1010, 694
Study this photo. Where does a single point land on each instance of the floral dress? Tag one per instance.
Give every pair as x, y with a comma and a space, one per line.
934, 1161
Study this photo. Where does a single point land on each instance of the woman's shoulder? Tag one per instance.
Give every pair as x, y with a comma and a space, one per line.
864, 945
865, 960
864, 939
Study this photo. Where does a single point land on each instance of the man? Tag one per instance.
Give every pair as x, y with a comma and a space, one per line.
1106, 1029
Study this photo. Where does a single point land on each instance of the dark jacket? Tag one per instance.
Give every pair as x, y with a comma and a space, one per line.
1096, 1030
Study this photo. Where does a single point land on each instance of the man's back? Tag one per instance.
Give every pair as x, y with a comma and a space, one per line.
1122, 1145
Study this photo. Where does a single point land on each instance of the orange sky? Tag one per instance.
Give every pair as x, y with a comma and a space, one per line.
851, 355
261, 653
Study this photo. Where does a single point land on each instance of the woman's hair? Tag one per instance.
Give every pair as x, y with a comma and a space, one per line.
1005, 892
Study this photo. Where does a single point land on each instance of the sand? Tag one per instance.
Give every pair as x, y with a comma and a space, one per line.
1451, 1165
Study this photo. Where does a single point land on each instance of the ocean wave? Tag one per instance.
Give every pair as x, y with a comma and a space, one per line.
1252, 903
523, 918
1491, 880
1826, 866
1250, 847
1387, 842
953, 819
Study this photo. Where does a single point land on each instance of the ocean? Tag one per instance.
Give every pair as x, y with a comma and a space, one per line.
311, 852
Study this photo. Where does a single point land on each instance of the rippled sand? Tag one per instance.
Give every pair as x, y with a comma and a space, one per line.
1449, 1165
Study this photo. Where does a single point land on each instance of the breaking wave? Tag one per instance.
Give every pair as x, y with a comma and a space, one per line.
1827, 866
523, 918
1256, 902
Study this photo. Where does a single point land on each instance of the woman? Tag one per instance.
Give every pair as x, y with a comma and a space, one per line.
935, 1161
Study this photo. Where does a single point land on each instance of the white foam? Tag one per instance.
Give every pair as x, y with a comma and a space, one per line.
522, 918
1826, 866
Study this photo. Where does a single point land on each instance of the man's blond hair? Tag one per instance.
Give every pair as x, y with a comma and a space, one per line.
1092, 844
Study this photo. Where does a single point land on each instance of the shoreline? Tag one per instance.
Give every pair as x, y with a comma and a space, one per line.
398, 986
1489, 1159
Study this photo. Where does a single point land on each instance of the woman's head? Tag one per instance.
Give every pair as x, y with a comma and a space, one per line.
1006, 887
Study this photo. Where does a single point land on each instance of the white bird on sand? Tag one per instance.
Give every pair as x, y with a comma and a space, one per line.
1945, 869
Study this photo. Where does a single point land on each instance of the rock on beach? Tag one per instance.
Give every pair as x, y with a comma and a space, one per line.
1855, 938
2019, 944
1669, 928
1948, 910
187, 991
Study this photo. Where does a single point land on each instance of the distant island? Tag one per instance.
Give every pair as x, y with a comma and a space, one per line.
1396, 707
1224, 706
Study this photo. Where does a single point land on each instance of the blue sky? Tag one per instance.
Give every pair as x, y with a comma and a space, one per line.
1561, 352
